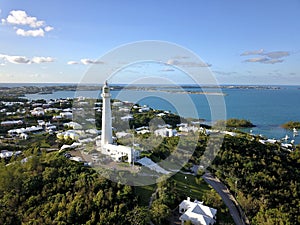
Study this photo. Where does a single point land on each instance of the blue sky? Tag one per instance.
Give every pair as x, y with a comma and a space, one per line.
242, 42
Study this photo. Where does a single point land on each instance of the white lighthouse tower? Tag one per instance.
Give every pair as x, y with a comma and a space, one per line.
106, 137
106, 146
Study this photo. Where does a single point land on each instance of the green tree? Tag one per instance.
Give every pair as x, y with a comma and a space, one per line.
271, 217
159, 212
139, 216
188, 222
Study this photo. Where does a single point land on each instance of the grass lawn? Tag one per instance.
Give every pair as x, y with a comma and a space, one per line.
187, 187
185, 184
144, 193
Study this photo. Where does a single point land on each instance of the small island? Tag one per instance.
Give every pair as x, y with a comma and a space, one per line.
291, 125
235, 123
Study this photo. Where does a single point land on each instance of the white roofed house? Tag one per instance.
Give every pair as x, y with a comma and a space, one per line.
117, 103
160, 114
11, 122
50, 127
184, 127
24, 136
197, 213
69, 134
38, 111
6, 154
189, 129
73, 125
127, 118
123, 134
165, 132
124, 109
142, 130
41, 123
144, 109
66, 115
56, 117
50, 110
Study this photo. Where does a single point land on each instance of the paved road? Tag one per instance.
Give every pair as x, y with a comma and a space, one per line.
227, 197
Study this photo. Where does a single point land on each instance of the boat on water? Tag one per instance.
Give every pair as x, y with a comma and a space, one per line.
295, 132
286, 138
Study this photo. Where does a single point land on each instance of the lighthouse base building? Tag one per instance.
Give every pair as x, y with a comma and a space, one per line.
106, 145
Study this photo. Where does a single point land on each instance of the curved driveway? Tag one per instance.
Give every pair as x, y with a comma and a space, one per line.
227, 198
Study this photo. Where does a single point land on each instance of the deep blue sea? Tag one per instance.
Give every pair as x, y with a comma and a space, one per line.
266, 108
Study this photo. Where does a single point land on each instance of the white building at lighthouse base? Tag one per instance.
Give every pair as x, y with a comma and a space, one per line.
120, 152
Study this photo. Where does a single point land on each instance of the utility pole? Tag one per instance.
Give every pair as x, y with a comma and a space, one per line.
133, 147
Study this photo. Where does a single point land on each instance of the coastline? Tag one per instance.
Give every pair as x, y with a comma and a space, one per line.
241, 102
20, 90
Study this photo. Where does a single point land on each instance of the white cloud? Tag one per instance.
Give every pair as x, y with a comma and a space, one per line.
269, 57
224, 73
255, 52
90, 61
31, 33
187, 63
273, 61
39, 60
72, 63
264, 60
15, 59
85, 62
277, 54
24, 60
48, 28
259, 59
20, 19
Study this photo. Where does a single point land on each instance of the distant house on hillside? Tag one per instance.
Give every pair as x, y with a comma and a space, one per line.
127, 118
66, 115
144, 109
73, 125
11, 123
165, 132
69, 134
38, 111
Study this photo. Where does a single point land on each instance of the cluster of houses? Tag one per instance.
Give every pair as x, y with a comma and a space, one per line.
74, 130
7, 105
38, 110
165, 130
23, 133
